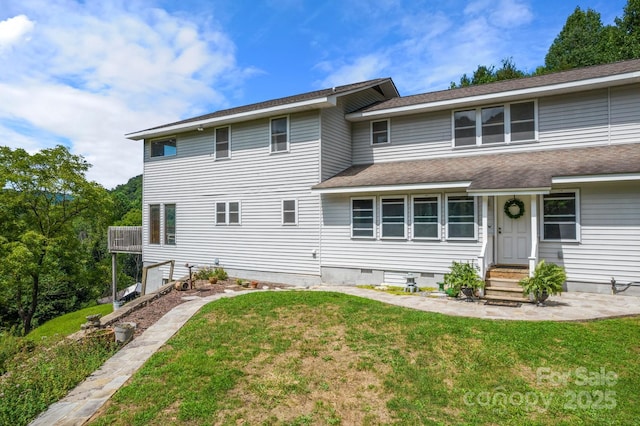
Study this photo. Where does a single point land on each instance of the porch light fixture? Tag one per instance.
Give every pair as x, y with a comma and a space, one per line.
200, 129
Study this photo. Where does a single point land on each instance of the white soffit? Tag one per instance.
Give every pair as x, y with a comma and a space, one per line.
390, 188
596, 178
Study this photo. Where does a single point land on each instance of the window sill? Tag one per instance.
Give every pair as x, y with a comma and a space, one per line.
279, 152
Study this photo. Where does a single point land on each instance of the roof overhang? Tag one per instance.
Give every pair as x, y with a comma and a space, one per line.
503, 96
310, 104
392, 188
514, 191
596, 178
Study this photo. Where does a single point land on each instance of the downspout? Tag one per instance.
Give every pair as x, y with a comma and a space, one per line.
533, 257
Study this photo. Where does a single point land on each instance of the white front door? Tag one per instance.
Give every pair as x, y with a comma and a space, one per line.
514, 235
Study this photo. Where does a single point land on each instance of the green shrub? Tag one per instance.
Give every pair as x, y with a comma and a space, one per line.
547, 278
463, 274
207, 272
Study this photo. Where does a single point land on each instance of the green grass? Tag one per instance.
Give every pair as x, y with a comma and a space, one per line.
67, 324
302, 358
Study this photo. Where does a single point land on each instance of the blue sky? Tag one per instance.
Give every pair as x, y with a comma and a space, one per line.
84, 73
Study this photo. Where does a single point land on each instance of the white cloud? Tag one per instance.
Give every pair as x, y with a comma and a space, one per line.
362, 68
95, 71
13, 30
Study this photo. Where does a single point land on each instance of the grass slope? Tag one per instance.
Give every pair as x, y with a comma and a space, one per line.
298, 358
67, 324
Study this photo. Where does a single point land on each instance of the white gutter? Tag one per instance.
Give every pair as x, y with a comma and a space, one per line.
323, 102
596, 178
507, 191
594, 83
389, 188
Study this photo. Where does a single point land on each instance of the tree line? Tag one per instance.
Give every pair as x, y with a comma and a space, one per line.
582, 42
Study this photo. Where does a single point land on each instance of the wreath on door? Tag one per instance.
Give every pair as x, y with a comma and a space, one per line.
514, 208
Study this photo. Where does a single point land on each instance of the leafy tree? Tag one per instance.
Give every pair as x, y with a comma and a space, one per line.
627, 34
583, 41
48, 210
484, 74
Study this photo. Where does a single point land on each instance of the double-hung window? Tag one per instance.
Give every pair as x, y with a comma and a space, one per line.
363, 215
154, 224
393, 217
223, 142
163, 148
170, 224
560, 216
380, 132
280, 134
426, 217
461, 217
227, 213
515, 122
289, 212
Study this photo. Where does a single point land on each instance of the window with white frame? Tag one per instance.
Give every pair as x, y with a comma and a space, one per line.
426, 217
461, 217
560, 216
380, 132
280, 134
163, 148
363, 217
170, 224
393, 217
515, 122
227, 213
222, 142
289, 212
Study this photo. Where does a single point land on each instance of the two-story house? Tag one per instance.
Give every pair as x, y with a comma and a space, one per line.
357, 184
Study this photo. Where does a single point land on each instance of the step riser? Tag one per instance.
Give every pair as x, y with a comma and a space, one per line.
502, 283
504, 294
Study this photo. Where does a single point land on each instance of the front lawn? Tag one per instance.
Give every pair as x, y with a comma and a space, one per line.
300, 358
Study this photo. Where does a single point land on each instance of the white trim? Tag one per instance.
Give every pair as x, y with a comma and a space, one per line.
227, 211
510, 191
596, 178
215, 143
475, 217
438, 223
373, 206
388, 188
506, 96
404, 212
295, 212
578, 238
388, 132
271, 151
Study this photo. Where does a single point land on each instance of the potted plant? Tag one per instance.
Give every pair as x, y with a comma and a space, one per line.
546, 281
463, 277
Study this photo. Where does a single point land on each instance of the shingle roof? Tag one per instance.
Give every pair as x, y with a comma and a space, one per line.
280, 101
578, 74
494, 171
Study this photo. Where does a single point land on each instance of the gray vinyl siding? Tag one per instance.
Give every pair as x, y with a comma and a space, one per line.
339, 250
625, 114
257, 179
336, 142
610, 236
596, 117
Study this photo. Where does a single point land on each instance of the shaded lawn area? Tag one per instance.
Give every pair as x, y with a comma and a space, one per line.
298, 358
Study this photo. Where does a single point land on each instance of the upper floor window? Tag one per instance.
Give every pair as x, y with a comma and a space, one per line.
380, 132
280, 134
426, 217
392, 217
222, 142
507, 123
154, 224
461, 217
289, 212
170, 224
560, 216
228, 213
363, 217
163, 148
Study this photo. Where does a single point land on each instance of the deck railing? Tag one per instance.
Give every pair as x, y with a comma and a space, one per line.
125, 239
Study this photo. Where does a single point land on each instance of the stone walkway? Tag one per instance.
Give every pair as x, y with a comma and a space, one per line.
82, 402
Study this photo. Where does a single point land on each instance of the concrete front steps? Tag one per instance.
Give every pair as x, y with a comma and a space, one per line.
502, 283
